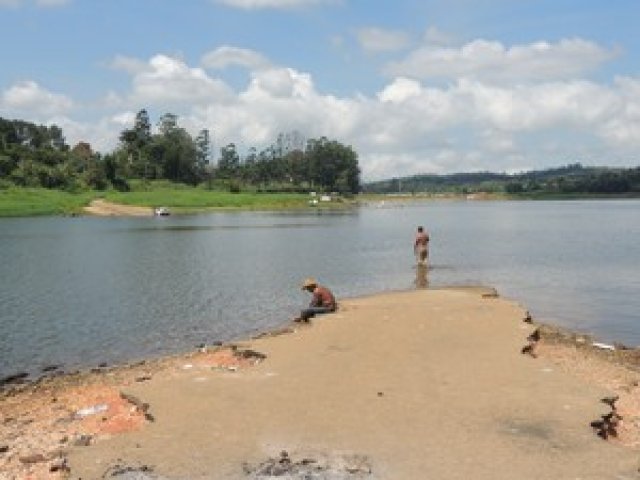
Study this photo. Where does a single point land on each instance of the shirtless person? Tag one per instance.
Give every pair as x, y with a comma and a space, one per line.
322, 301
421, 246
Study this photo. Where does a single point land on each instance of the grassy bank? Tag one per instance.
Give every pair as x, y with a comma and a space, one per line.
195, 199
25, 202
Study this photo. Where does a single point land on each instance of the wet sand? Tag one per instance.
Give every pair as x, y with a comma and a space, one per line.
423, 384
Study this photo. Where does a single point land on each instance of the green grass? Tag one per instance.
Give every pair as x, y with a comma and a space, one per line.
24, 202
194, 199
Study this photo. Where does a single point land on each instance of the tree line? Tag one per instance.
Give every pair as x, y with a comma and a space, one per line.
38, 156
570, 179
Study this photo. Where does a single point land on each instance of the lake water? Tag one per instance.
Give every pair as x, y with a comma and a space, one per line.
81, 291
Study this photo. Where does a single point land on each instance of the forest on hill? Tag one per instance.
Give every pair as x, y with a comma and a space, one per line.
570, 179
38, 156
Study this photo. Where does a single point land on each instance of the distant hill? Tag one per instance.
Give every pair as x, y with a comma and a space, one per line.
573, 178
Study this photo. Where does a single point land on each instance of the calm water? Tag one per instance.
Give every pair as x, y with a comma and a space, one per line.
81, 291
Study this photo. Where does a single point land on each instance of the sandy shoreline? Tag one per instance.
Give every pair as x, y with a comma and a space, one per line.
102, 208
408, 385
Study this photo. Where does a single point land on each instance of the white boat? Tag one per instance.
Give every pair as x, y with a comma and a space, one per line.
161, 212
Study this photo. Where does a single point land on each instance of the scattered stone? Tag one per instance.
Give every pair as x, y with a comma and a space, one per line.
607, 426
92, 410
338, 467
83, 441
34, 458
4, 448
139, 404
15, 379
535, 336
490, 293
529, 350
128, 472
611, 401
274, 333
59, 465
50, 368
249, 354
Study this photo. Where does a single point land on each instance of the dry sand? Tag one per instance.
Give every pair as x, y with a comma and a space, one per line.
416, 385
429, 384
103, 208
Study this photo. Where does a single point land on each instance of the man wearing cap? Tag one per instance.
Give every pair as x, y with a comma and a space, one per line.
322, 301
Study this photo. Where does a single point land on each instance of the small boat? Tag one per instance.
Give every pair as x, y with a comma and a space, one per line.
161, 212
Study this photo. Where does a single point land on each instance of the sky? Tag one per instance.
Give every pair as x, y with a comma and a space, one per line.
414, 86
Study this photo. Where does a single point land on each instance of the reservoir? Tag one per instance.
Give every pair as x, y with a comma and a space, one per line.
81, 291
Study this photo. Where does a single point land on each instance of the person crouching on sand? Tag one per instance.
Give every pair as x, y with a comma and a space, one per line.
322, 301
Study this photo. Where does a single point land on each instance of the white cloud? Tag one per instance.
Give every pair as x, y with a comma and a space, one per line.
275, 4
128, 64
168, 80
373, 39
226, 55
29, 97
492, 61
407, 127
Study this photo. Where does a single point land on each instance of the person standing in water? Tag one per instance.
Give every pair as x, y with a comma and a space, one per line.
421, 246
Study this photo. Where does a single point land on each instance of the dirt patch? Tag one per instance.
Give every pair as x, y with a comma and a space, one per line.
102, 208
41, 421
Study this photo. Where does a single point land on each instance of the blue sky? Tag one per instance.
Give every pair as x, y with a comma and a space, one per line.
415, 86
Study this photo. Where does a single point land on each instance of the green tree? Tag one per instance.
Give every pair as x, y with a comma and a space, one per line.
228, 163
333, 166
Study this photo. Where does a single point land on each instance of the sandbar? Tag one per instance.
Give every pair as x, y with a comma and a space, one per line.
410, 385
425, 384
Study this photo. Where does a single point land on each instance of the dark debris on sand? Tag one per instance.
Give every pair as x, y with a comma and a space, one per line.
311, 467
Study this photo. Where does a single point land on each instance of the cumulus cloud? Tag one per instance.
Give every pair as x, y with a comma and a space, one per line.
168, 80
128, 64
226, 55
374, 39
29, 97
407, 127
274, 4
494, 62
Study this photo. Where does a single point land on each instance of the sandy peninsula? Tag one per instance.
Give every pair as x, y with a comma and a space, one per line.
427, 384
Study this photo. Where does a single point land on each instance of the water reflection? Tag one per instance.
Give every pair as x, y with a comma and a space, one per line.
422, 280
